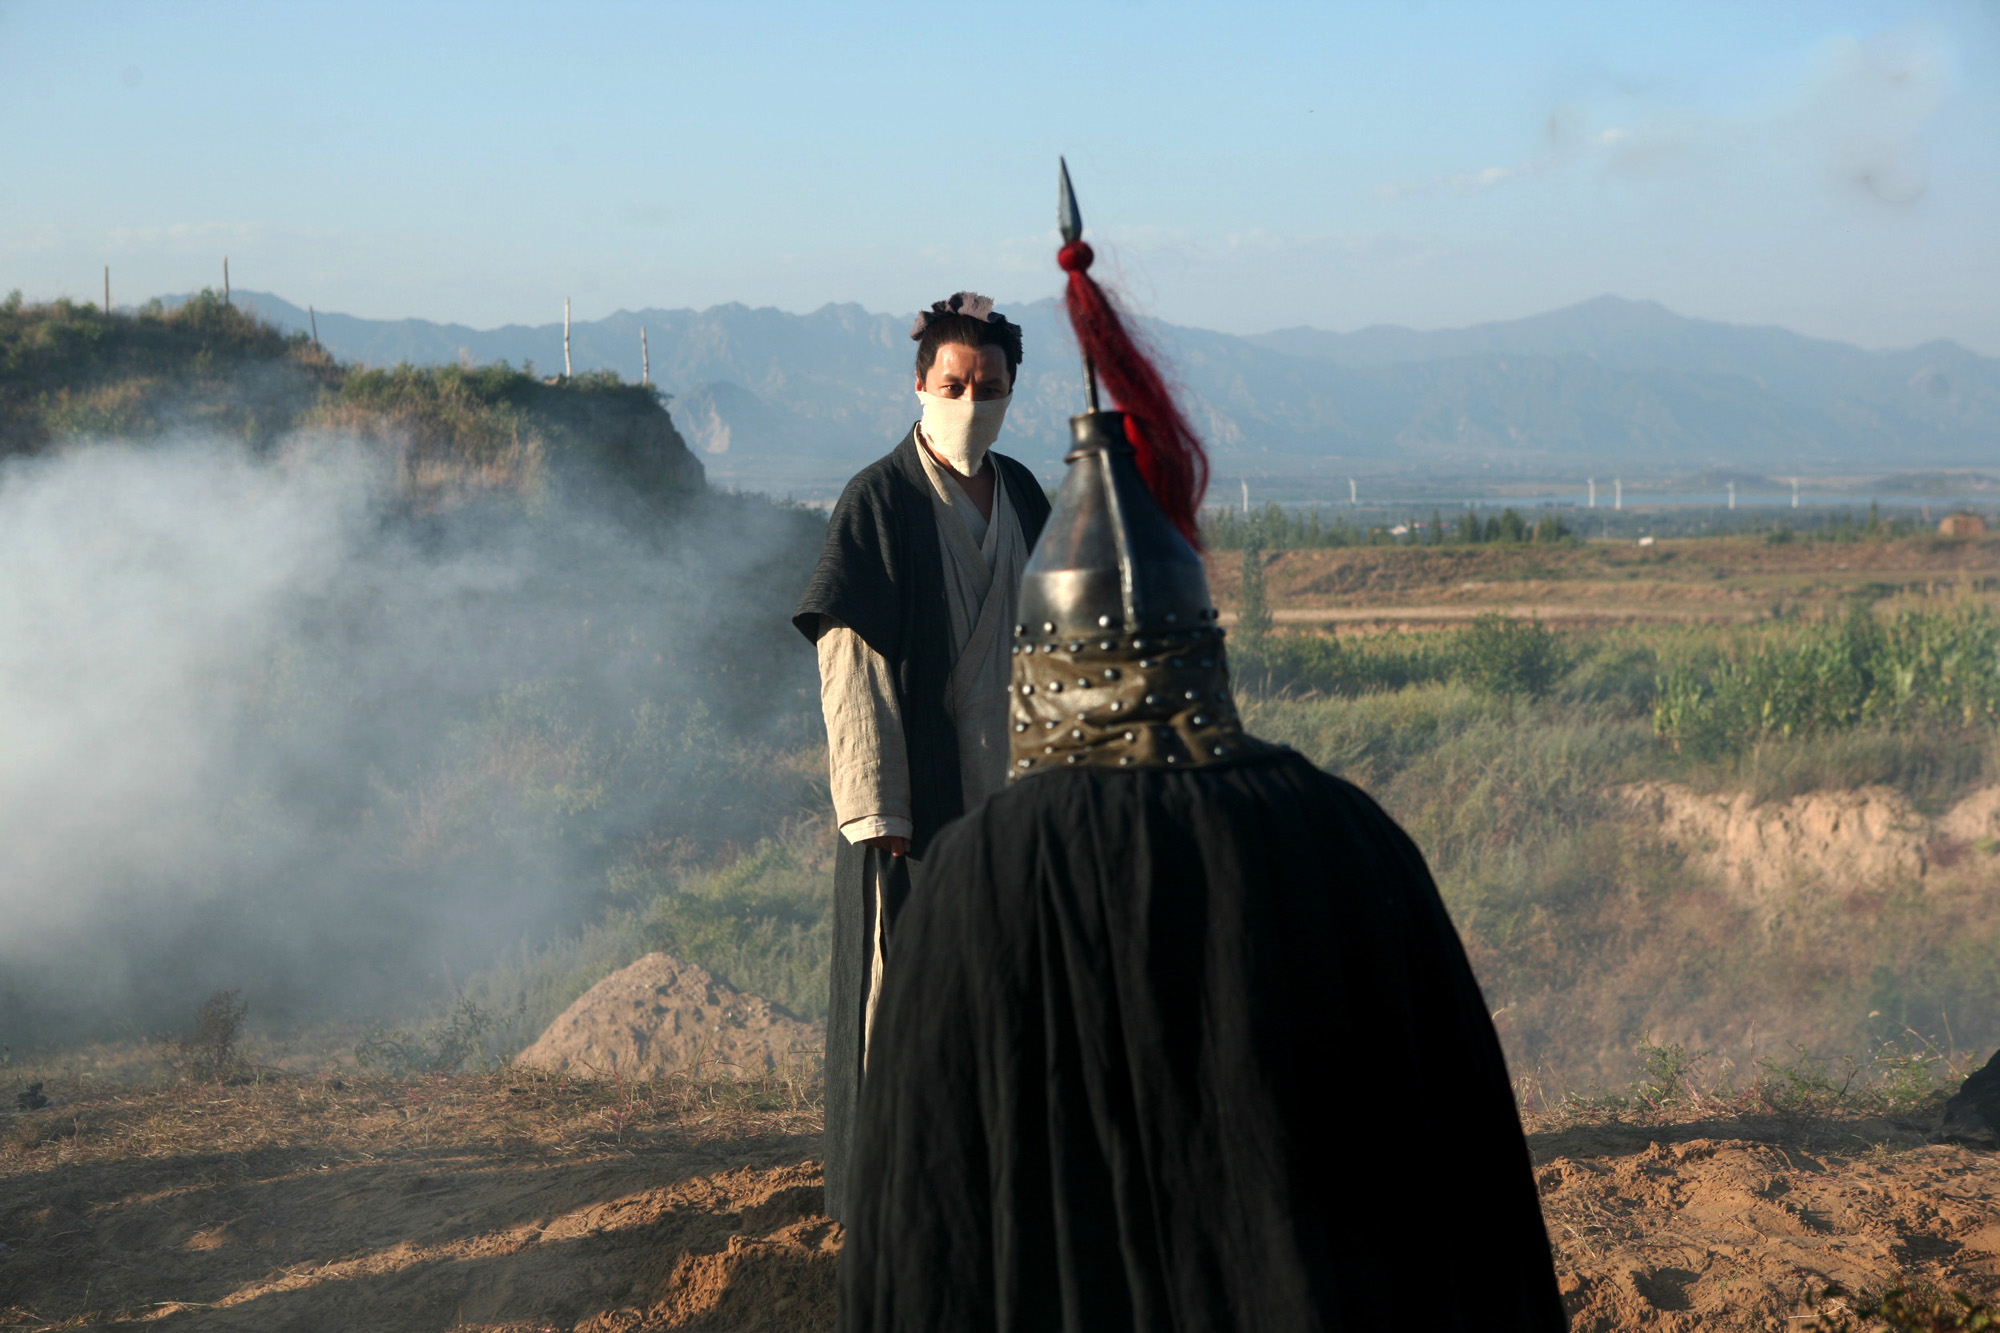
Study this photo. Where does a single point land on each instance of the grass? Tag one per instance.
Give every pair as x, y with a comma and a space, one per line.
1896, 1087
1586, 930
760, 920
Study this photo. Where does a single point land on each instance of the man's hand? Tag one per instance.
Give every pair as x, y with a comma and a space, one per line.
893, 845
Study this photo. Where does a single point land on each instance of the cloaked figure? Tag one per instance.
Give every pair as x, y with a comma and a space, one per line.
1176, 1033
910, 609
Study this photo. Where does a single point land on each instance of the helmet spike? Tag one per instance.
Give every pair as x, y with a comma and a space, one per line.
1169, 454
1068, 219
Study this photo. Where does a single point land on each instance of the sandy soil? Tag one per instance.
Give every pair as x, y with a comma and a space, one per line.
1706, 1226
661, 1016
1821, 845
508, 1202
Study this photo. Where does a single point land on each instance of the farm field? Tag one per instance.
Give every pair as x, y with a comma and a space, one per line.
1676, 580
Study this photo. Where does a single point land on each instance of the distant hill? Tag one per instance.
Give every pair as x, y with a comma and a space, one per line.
1608, 384
70, 372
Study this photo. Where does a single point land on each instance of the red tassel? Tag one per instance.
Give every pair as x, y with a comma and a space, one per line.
1168, 452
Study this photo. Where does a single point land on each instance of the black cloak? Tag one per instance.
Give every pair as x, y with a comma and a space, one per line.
1187, 1050
881, 574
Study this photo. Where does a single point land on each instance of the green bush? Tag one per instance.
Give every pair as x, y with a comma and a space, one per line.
441, 1048
1509, 657
1495, 655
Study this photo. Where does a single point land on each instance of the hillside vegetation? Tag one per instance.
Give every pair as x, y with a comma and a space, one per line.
71, 372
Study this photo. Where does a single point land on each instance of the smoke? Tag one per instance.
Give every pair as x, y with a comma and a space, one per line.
262, 727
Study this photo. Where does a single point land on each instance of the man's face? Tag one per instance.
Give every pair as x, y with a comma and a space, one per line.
977, 373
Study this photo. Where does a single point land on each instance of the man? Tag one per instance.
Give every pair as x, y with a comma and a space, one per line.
1176, 1033
911, 609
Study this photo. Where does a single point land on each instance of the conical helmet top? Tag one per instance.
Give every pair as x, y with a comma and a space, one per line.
1118, 653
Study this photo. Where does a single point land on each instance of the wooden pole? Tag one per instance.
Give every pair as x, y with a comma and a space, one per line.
313, 315
645, 358
566, 369
225, 281
107, 289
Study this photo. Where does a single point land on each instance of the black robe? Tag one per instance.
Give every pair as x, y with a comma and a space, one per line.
1187, 1050
881, 574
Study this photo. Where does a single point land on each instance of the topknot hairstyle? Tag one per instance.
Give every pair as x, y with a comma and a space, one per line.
968, 319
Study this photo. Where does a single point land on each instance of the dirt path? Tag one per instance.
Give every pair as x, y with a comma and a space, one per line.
1713, 580
1549, 613
481, 1204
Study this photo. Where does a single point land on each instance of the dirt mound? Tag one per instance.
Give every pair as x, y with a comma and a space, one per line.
1868, 838
662, 1016
1729, 1234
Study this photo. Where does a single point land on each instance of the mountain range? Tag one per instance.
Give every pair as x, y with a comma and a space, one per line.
1609, 385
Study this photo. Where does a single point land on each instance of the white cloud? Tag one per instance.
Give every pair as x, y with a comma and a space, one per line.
1857, 113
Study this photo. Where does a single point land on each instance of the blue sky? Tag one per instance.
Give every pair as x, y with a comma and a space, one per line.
1831, 167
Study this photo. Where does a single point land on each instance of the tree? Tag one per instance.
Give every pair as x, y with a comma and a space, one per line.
1253, 617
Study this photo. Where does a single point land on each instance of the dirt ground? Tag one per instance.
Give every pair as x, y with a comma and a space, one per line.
1712, 579
467, 1203
1740, 1224
482, 1203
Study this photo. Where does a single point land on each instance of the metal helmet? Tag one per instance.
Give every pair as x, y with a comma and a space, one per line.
1118, 656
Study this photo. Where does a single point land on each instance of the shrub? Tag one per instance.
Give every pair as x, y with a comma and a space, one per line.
207, 1052
1509, 657
1310, 664
1253, 618
442, 1048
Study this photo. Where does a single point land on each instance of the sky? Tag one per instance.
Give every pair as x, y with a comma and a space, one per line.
1831, 167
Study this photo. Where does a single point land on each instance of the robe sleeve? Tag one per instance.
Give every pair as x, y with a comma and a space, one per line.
869, 768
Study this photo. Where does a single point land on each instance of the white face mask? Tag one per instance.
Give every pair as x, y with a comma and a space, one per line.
960, 430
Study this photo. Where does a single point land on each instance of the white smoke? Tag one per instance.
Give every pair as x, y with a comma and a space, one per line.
143, 592
245, 717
